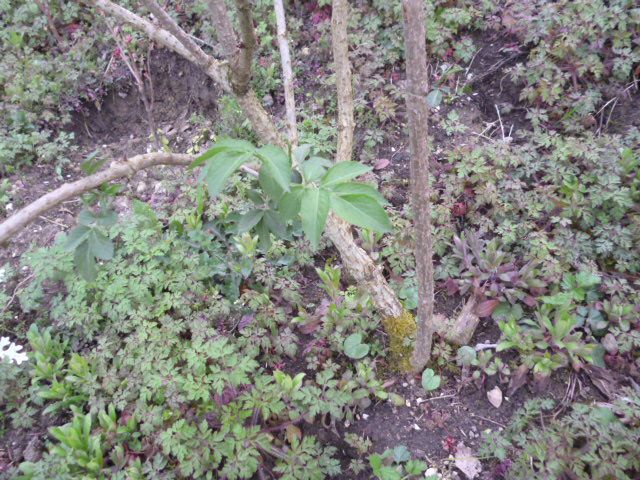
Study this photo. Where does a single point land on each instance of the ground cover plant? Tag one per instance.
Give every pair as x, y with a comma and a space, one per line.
320, 239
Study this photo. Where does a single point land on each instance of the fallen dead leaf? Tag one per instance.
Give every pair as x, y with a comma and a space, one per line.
466, 462
495, 397
381, 163
518, 380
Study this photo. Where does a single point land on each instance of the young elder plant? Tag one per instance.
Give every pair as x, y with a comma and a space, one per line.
296, 185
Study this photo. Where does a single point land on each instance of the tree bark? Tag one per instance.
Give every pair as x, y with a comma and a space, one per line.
287, 72
418, 118
344, 87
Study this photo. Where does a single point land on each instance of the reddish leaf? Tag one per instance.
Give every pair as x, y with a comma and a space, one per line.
381, 163
486, 308
518, 380
529, 301
459, 209
452, 286
246, 320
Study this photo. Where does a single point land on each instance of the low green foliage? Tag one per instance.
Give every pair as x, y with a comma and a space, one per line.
592, 441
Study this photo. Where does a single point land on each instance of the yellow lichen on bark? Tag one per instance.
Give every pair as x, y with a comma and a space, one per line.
401, 331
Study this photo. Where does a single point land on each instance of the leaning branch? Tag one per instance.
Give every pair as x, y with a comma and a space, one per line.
126, 168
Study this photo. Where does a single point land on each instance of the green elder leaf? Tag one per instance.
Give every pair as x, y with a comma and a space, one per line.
223, 145
276, 164
314, 168
362, 211
355, 188
100, 245
249, 220
314, 208
85, 262
343, 172
76, 236
269, 185
289, 205
220, 167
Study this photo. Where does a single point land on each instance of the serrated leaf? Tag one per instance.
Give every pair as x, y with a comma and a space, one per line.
343, 172
85, 262
314, 208
76, 236
362, 211
100, 245
249, 220
401, 454
276, 164
220, 167
466, 355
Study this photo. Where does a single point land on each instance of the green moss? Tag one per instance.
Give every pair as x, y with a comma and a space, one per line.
401, 331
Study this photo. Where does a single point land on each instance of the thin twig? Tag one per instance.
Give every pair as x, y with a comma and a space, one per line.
15, 292
488, 420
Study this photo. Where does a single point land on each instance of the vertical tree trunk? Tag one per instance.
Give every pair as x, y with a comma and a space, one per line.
418, 117
287, 72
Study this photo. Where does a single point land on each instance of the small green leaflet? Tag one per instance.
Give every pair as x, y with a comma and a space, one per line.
343, 172
314, 208
434, 98
354, 348
430, 381
361, 210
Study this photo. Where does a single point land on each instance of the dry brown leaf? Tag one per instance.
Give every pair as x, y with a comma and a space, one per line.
495, 397
466, 462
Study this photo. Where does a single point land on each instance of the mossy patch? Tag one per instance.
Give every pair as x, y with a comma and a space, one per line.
402, 332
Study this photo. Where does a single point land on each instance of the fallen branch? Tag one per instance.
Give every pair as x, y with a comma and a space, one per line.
124, 168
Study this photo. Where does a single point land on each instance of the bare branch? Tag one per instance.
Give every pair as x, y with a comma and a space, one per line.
214, 69
116, 170
340, 45
172, 27
287, 72
418, 117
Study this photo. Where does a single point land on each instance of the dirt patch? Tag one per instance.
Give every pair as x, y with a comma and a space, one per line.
180, 89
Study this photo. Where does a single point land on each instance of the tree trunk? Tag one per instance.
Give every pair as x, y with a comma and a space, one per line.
418, 118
